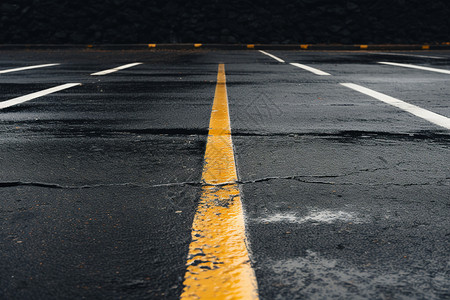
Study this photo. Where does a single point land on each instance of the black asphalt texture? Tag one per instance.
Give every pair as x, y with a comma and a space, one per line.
345, 197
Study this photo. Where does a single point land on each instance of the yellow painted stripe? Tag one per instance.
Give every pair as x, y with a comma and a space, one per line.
304, 47
363, 46
218, 265
250, 46
152, 45
197, 45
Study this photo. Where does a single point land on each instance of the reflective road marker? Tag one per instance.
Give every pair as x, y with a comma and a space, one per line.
415, 67
273, 56
32, 96
27, 68
415, 110
310, 69
115, 69
218, 265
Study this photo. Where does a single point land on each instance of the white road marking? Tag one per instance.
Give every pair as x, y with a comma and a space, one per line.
273, 56
32, 96
116, 69
415, 110
27, 68
310, 69
415, 67
403, 54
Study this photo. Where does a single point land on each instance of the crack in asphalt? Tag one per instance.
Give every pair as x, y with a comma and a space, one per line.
355, 134
438, 136
300, 178
90, 186
8, 184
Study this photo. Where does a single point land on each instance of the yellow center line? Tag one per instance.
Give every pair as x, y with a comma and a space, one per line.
218, 264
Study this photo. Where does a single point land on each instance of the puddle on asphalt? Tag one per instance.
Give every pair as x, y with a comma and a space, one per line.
314, 216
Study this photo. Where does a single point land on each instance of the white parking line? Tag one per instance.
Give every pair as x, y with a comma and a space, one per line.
415, 67
27, 68
115, 69
410, 55
32, 96
415, 110
273, 56
310, 69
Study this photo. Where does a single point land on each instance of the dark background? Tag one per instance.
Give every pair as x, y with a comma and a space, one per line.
235, 21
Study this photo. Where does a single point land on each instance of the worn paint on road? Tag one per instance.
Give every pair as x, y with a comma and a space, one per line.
27, 68
415, 67
311, 69
109, 71
413, 109
32, 96
218, 264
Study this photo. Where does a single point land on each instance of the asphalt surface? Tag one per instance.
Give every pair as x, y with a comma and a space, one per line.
345, 197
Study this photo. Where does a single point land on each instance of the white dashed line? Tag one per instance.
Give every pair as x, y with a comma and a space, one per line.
310, 69
410, 55
32, 96
273, 56
27, 68
415, 110
115, 69
415, 67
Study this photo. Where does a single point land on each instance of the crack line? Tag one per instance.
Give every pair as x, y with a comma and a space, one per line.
300, 178
75, 187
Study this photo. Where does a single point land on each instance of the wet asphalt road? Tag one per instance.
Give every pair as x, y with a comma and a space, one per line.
346, 197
